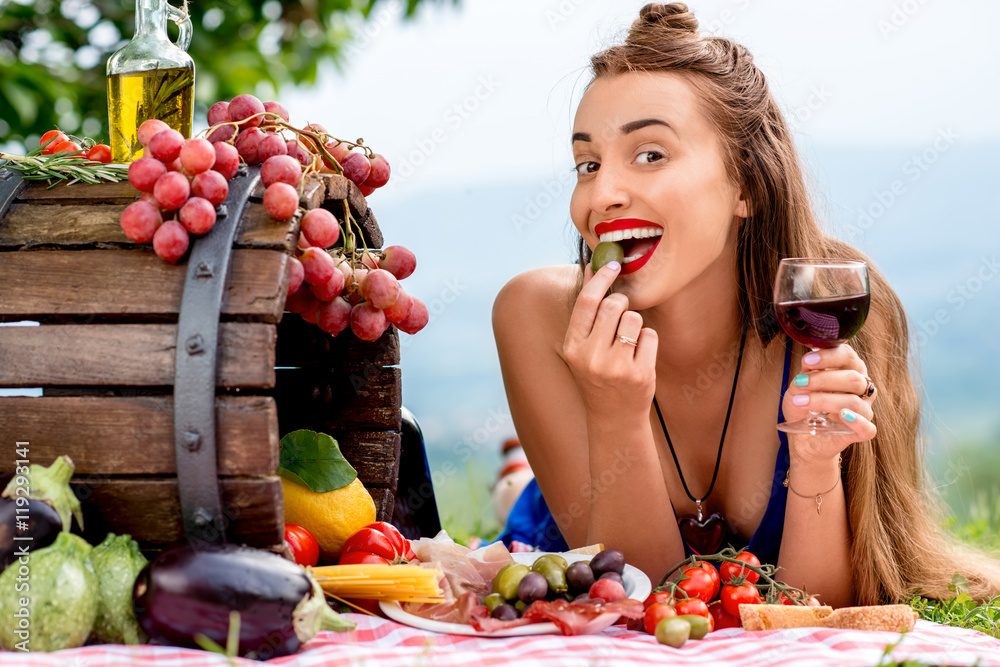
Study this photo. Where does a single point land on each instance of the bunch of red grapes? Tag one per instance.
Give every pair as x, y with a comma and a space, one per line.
183, 181
330, 291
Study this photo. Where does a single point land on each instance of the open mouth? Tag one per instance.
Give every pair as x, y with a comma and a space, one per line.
638, 238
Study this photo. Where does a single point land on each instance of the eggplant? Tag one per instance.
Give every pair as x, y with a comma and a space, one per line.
190, 590
43, 512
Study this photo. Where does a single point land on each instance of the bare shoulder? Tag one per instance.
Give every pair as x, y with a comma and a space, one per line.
537, 299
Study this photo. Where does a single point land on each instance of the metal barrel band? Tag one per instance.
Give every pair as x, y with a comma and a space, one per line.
195, 366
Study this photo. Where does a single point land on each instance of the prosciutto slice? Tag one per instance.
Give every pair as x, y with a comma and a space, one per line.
468, 576
583, 617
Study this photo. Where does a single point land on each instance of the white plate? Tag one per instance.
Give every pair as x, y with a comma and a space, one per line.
637, 586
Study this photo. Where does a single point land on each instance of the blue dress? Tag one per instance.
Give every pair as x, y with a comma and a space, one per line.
531, 522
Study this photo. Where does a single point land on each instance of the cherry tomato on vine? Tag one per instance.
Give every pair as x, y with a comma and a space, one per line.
811, 601
56, 137
654, 614
69, 148
698, 583
100, 153
304, 547
730, 571
380, 538
694, 607
658, 596
733, 596
722, 618
361, 558
714, 573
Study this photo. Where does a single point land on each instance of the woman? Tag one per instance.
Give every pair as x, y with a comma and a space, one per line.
678, 143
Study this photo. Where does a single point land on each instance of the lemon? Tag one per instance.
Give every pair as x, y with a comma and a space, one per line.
332, 516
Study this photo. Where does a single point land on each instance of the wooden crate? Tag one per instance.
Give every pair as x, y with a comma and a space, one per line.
104, 356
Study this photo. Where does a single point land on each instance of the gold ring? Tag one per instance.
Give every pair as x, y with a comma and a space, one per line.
869, 390
628, 341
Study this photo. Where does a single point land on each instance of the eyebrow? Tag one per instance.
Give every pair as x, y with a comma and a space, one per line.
627, 128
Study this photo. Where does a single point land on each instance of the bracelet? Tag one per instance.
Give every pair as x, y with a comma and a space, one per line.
819, 496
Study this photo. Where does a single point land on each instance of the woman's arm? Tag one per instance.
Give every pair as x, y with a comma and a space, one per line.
579, 401
816, 545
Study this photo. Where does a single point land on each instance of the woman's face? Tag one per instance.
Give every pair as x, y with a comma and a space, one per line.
650, 166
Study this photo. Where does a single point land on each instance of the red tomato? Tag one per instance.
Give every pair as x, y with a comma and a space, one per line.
733, 596
100, 153
304, 547
658, 596
722, 618
713, 572
380, 538
654, 614
693, 606
698, 583
56, 136
361, 558
730, 571
69, 148
810, 602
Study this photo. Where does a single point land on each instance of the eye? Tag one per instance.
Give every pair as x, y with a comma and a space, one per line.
585, 168
648, 157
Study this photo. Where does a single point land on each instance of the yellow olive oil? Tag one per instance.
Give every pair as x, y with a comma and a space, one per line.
135, 97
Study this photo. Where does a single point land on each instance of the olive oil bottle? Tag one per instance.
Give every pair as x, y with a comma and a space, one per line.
150, 77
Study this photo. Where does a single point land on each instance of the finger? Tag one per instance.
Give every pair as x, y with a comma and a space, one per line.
608, 318
833, 403
645, 353
581, 322
843, 381
862, 426
841, 356
629, 326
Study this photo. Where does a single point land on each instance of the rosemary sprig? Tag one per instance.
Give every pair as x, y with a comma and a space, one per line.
58, 168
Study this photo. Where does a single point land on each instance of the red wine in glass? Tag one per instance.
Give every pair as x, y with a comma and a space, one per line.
820, 303
823, 322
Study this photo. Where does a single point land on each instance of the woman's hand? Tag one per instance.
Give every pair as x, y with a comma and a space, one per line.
613, 377
832, 380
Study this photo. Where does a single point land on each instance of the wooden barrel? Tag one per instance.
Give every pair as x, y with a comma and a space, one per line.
103, 355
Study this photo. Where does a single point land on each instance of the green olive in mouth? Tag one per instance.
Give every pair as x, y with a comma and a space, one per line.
608, 251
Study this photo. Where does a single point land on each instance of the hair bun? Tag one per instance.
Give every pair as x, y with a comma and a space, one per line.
672, 16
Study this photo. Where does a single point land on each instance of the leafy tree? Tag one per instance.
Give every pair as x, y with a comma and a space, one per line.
53, 52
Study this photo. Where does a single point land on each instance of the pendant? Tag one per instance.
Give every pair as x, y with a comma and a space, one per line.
704, 536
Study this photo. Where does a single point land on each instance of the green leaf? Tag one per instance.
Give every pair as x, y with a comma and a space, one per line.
959, 584
314, 460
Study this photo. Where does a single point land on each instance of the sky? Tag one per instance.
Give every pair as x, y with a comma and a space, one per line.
487, 89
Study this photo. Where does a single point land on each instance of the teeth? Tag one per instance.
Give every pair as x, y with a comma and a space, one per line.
634, 233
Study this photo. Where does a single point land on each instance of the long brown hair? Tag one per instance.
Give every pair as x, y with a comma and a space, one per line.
897, 544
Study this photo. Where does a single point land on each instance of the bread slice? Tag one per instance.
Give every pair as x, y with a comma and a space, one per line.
881, 618
589, 550
780, 616
884, 618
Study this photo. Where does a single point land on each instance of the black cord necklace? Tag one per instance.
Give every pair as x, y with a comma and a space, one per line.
697, 531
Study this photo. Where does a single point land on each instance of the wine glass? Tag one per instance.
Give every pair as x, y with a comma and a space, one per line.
820, 303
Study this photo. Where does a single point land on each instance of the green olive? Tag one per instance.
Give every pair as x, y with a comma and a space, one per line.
496, 579
507, 582
700, 625
520, 605
555, 576
555, 558
673, 631
493, 600
605, 252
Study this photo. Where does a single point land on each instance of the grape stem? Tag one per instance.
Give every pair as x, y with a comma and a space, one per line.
317, 139
767, 583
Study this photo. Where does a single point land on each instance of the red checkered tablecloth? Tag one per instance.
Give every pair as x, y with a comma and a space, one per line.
381, 643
